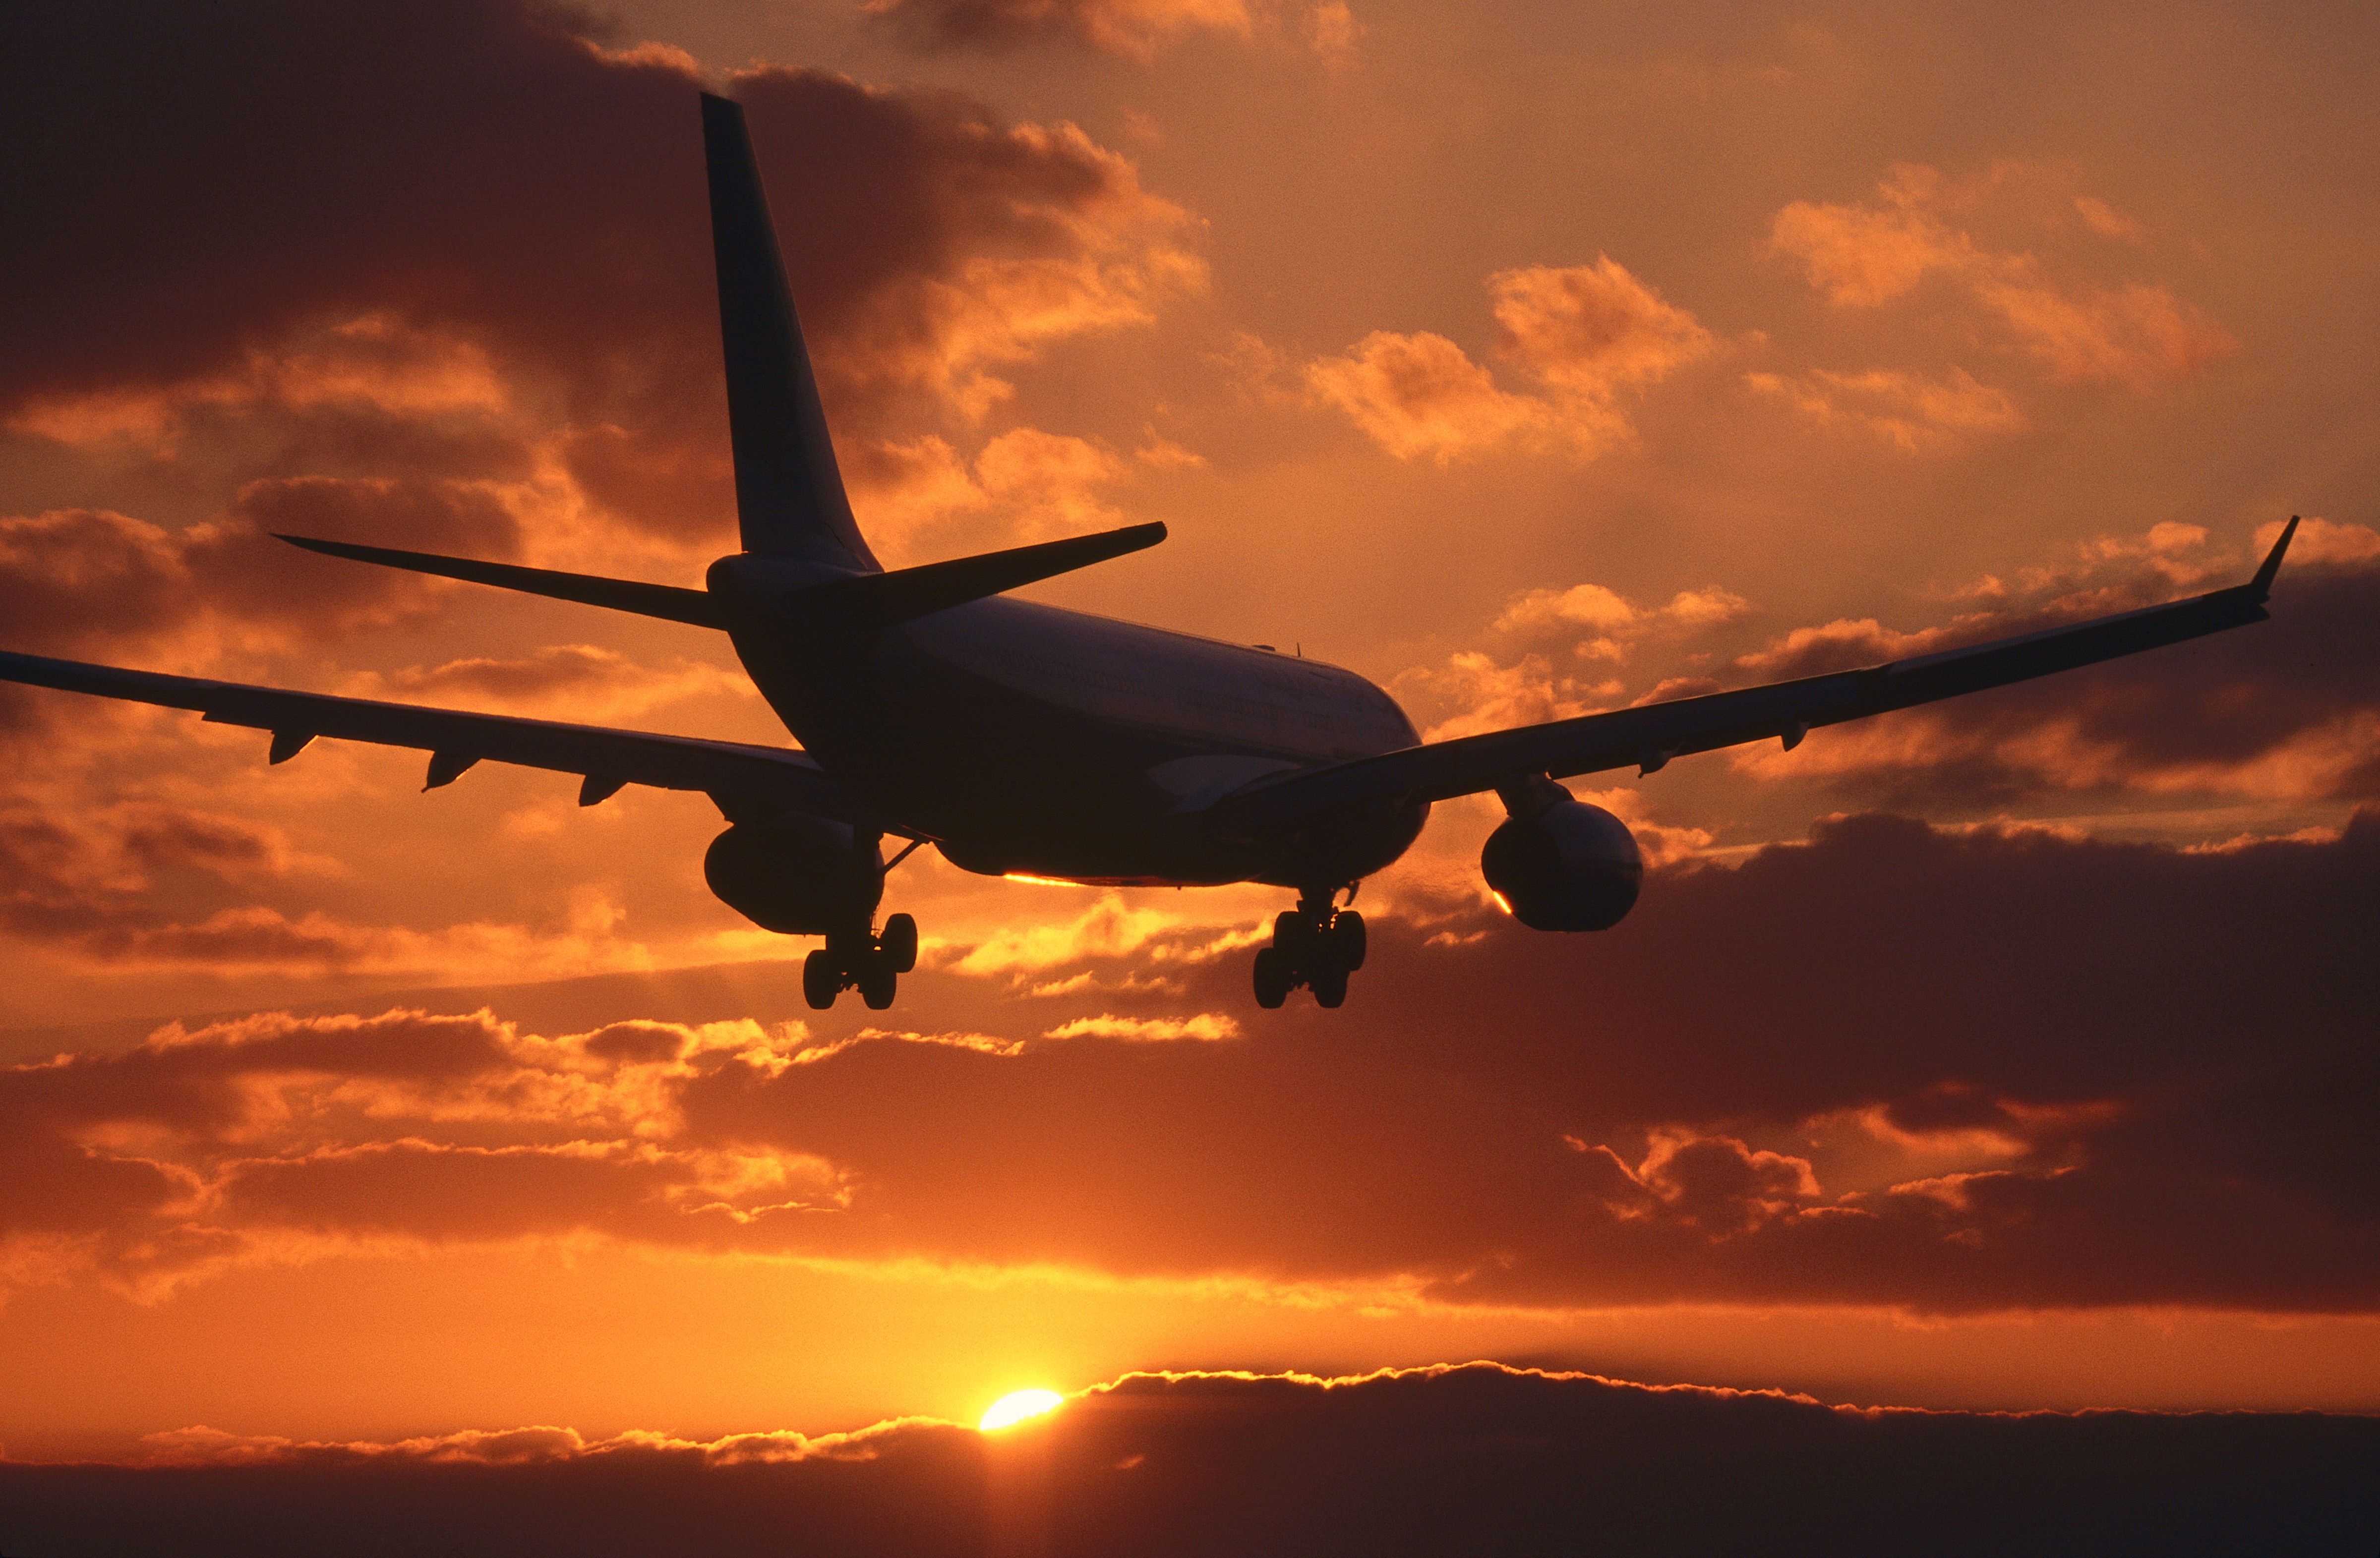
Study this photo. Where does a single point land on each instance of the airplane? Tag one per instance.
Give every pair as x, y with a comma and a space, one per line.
1022, 739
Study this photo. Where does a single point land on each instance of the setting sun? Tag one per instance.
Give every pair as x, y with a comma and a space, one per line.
1017, 1406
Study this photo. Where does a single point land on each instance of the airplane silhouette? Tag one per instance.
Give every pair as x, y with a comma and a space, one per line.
1020, 739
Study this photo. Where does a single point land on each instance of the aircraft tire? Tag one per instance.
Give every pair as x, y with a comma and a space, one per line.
1271, 978
821, 980
1329, 987
1347, 940
1292, 935
878, 980
900, 943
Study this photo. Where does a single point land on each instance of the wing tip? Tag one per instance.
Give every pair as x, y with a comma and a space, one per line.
2266, 573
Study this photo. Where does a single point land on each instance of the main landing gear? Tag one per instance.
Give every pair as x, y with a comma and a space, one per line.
869, 962
1316, 944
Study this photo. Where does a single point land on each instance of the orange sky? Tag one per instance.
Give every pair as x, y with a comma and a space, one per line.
1530, 359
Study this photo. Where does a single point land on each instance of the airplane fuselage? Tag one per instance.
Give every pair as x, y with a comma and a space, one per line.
1029, 740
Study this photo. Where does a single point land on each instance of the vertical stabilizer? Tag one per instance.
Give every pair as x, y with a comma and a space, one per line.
789, 495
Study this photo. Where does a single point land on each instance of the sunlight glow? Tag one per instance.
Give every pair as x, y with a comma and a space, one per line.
1017, 1406
1501, 901
1043, 881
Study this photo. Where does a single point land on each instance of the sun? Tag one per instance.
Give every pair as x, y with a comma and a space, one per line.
1017, 1406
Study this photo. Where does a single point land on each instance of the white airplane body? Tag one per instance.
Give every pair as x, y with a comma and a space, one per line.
1024, 740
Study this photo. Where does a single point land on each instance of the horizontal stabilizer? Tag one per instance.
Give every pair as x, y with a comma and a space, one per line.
873, 600
666, 601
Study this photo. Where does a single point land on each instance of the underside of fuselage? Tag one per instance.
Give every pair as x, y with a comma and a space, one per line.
1026, 740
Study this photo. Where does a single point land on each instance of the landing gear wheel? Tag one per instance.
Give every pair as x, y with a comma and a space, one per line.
1329, 987
822, 979
1316, 945
1346, 937
1273, 977
899, 943
878, 980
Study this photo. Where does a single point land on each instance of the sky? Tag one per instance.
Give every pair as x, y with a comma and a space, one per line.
2008, 1054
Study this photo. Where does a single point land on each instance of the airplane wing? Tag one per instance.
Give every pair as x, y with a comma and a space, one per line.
1647, 737
746, 781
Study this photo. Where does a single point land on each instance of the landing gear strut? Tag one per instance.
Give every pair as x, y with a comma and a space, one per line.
869, 961
1316, 945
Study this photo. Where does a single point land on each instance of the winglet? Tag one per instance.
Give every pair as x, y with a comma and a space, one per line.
2262, 584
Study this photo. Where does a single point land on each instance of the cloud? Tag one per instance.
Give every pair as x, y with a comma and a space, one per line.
1205, 1027
1583, 333
519, 279
578, 682
85, 580
1420, 395
92, 876
1423, 1459
1947, 1071
1331, 30
1568, 646
2136, 333
1913, 412
1133, 28
1033, 486
2281, 710
142, 886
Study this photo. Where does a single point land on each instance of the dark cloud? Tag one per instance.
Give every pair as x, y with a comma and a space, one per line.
1469, 1459
91, 880
2283, 708
461, 207
1131, 28
1953, 1071
82, 581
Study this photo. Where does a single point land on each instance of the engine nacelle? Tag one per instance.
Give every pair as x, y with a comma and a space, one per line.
796, 875
1570, 867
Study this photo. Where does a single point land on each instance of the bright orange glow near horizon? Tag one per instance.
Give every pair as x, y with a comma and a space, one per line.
1017, 1406
1531, 360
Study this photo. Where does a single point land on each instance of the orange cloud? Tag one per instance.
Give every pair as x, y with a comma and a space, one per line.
79, 579
2138, 335
1419, 396
1583, 333
578, 682
1551, 678
1914, 411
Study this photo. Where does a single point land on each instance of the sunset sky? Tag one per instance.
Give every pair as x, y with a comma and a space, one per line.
1527, 358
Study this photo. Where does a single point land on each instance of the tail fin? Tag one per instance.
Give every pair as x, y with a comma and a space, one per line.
789, 495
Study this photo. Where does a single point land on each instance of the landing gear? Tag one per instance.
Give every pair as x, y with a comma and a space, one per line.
1316, 945
872, 964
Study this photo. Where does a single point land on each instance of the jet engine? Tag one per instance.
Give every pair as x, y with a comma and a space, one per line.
796, 875
1568, 868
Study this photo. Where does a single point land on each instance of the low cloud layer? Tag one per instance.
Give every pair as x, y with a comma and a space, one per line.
1424, 1460
1949, 1071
